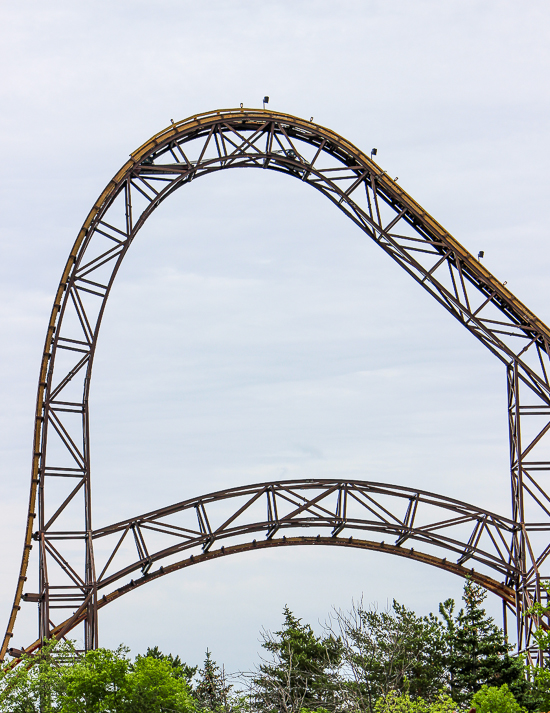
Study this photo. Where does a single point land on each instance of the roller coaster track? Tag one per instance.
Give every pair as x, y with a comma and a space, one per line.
77, 568
223, 523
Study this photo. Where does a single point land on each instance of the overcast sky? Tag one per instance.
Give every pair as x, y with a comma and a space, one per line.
253, 332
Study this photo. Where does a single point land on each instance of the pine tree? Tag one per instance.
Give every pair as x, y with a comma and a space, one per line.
212, 691
478, 652
302, 671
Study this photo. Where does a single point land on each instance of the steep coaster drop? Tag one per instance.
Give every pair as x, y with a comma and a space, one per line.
70, 573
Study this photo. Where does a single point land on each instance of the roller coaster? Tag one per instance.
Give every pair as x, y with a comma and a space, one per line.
81, 570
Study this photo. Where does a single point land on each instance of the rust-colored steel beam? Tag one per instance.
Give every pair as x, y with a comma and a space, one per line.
507, 594
312, 154
347, 508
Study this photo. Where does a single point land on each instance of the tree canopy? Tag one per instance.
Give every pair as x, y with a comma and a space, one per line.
361, 661
301, 671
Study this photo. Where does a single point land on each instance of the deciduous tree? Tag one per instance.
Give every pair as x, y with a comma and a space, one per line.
392, 650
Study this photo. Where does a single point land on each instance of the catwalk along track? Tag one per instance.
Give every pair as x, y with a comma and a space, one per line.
80, 570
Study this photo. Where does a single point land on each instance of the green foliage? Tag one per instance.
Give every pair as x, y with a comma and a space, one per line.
94, 683
394, 650
542, 635
36, 683
477, 650
491, 699
542, 689
365, 662
59, 681
181, 669
394, 702
539, 694
151, 686
301, 672
212, 692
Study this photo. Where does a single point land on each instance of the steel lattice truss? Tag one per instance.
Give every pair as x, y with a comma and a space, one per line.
344, 508
59, 523
476, 543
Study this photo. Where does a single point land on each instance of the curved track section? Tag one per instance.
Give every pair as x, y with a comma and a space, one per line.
60, 499
332, 512
403, 516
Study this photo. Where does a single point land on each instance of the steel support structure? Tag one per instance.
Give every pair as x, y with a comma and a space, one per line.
406, 522
60, 507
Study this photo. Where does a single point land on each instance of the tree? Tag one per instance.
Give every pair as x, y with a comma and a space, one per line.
59, 681
540, 691
152, 686
94, 683
302, 671
36, 683
491, 699
394, 702
212, 692
181, 669
393, 650
478, 652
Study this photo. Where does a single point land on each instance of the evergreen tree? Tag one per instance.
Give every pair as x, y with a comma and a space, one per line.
212, 691
478, 652
302, 671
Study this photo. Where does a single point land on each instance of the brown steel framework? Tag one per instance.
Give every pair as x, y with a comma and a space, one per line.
335, 512
79, 570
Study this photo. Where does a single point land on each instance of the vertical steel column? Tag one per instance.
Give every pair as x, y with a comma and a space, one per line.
44, 600
528, 584
91, 622
516, 481
43, 581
